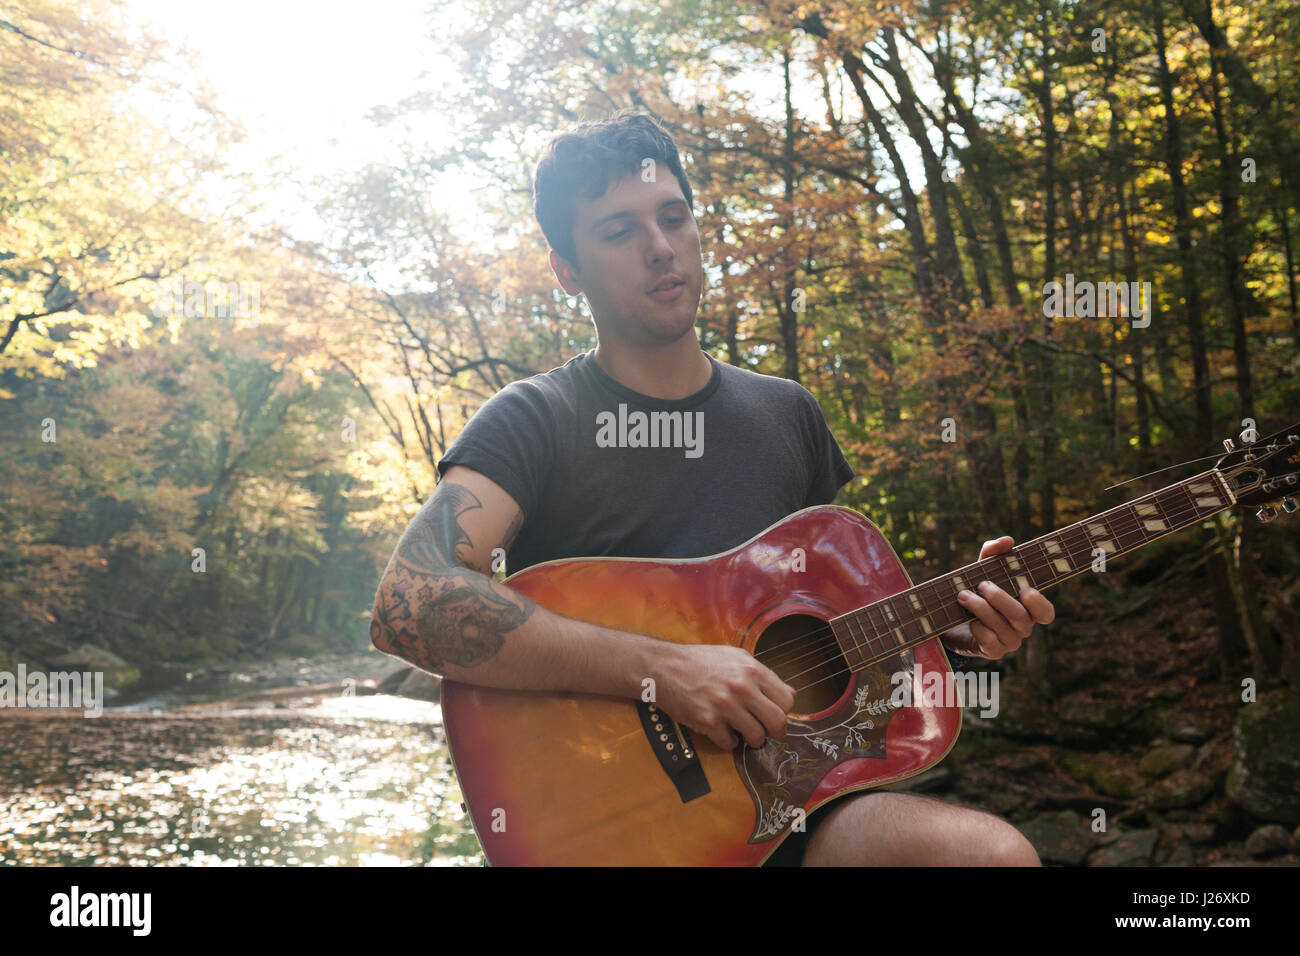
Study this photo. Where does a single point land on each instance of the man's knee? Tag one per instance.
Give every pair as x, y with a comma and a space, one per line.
1011, 848
911, 829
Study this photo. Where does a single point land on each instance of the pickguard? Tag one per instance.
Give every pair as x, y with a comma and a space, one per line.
782, 775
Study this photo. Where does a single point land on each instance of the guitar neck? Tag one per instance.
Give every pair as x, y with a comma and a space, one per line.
883, 629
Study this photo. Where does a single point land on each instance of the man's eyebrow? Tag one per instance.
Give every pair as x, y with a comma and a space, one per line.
624, 214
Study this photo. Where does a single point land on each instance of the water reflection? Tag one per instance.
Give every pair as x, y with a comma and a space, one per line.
321, 781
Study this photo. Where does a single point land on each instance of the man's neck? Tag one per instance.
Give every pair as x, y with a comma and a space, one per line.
670, 372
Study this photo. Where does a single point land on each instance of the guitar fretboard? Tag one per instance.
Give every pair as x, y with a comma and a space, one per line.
889, 626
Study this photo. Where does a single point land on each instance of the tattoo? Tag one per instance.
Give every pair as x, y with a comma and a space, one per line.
431, 609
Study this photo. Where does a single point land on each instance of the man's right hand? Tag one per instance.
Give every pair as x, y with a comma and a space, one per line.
715, 689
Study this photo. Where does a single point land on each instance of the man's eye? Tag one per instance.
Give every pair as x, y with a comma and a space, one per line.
618, 235
676, 222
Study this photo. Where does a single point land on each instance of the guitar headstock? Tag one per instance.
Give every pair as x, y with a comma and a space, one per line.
1264, 471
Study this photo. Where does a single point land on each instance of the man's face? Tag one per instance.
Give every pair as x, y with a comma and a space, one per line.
634, 239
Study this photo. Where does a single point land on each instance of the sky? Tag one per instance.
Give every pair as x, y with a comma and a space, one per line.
301, 77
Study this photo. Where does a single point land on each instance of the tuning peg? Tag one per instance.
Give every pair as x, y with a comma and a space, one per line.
1228, 445
1266, 514
1289, 505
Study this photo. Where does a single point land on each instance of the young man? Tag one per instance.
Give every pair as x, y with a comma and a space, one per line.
547, 469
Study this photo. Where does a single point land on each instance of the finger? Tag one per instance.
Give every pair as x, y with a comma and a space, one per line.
990, 645
997, 546
1040, 609
1001, 635
776, 690
1012, 610
743, 722
770, 715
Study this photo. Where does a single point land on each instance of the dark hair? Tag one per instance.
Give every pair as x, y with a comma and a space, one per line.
582, 161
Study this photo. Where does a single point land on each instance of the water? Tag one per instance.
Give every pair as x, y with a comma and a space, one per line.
318, 780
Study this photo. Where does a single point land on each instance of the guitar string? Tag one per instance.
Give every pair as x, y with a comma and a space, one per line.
849, 670
1125, 519
995, 562
1178, 516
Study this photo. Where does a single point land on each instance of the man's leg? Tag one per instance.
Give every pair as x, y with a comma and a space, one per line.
906, 829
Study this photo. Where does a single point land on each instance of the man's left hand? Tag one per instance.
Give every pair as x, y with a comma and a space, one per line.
1001, 622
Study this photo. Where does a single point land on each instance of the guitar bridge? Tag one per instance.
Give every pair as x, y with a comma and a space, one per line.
673, 747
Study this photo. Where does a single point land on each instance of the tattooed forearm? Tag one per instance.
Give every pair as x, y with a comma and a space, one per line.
431, 609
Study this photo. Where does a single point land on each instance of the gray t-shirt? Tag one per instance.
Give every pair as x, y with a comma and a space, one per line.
601, 470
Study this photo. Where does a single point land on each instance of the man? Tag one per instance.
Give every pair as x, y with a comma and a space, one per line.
540, 473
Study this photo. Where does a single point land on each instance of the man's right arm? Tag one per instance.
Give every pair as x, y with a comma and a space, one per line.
437, 608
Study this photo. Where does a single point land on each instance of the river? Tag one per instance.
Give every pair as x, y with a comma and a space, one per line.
325, 775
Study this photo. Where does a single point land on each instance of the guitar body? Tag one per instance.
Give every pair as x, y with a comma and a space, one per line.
577, 779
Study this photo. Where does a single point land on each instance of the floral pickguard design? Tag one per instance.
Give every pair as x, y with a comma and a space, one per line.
782, 774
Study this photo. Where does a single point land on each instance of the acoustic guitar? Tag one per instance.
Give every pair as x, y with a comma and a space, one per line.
822, 599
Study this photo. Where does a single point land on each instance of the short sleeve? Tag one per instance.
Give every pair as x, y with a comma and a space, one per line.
831, 470
511, 440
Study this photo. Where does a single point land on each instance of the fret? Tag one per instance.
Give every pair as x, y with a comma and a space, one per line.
841, 628
858, 646
907, 622
1151, 517
1040, 561
861, 646
1017, 570
1080, 547
935, 607
1110, 542
1170, 512
1129, 527
932, 607
876, 620
1186, 509
1207, 495
1006, 577
1189, 513
894, 634
877, 629
1058, 558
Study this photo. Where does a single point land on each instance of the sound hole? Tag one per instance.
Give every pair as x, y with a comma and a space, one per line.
804, 653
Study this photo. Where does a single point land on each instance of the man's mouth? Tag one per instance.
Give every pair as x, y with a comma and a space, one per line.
667, 284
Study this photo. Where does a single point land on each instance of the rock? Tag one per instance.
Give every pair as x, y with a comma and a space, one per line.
1057, 842
1185, 788
1161, 761
1190, 833
1264, 777
940, 778
118, 673
1268, 839
389, 683
1132, 848
1180, 855
420, 685
90, 658
1182, 728
1088, 720
1108, 776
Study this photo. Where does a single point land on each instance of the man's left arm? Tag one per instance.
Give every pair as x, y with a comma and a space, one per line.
1002, 621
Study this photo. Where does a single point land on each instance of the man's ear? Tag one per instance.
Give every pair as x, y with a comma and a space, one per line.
566, 274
